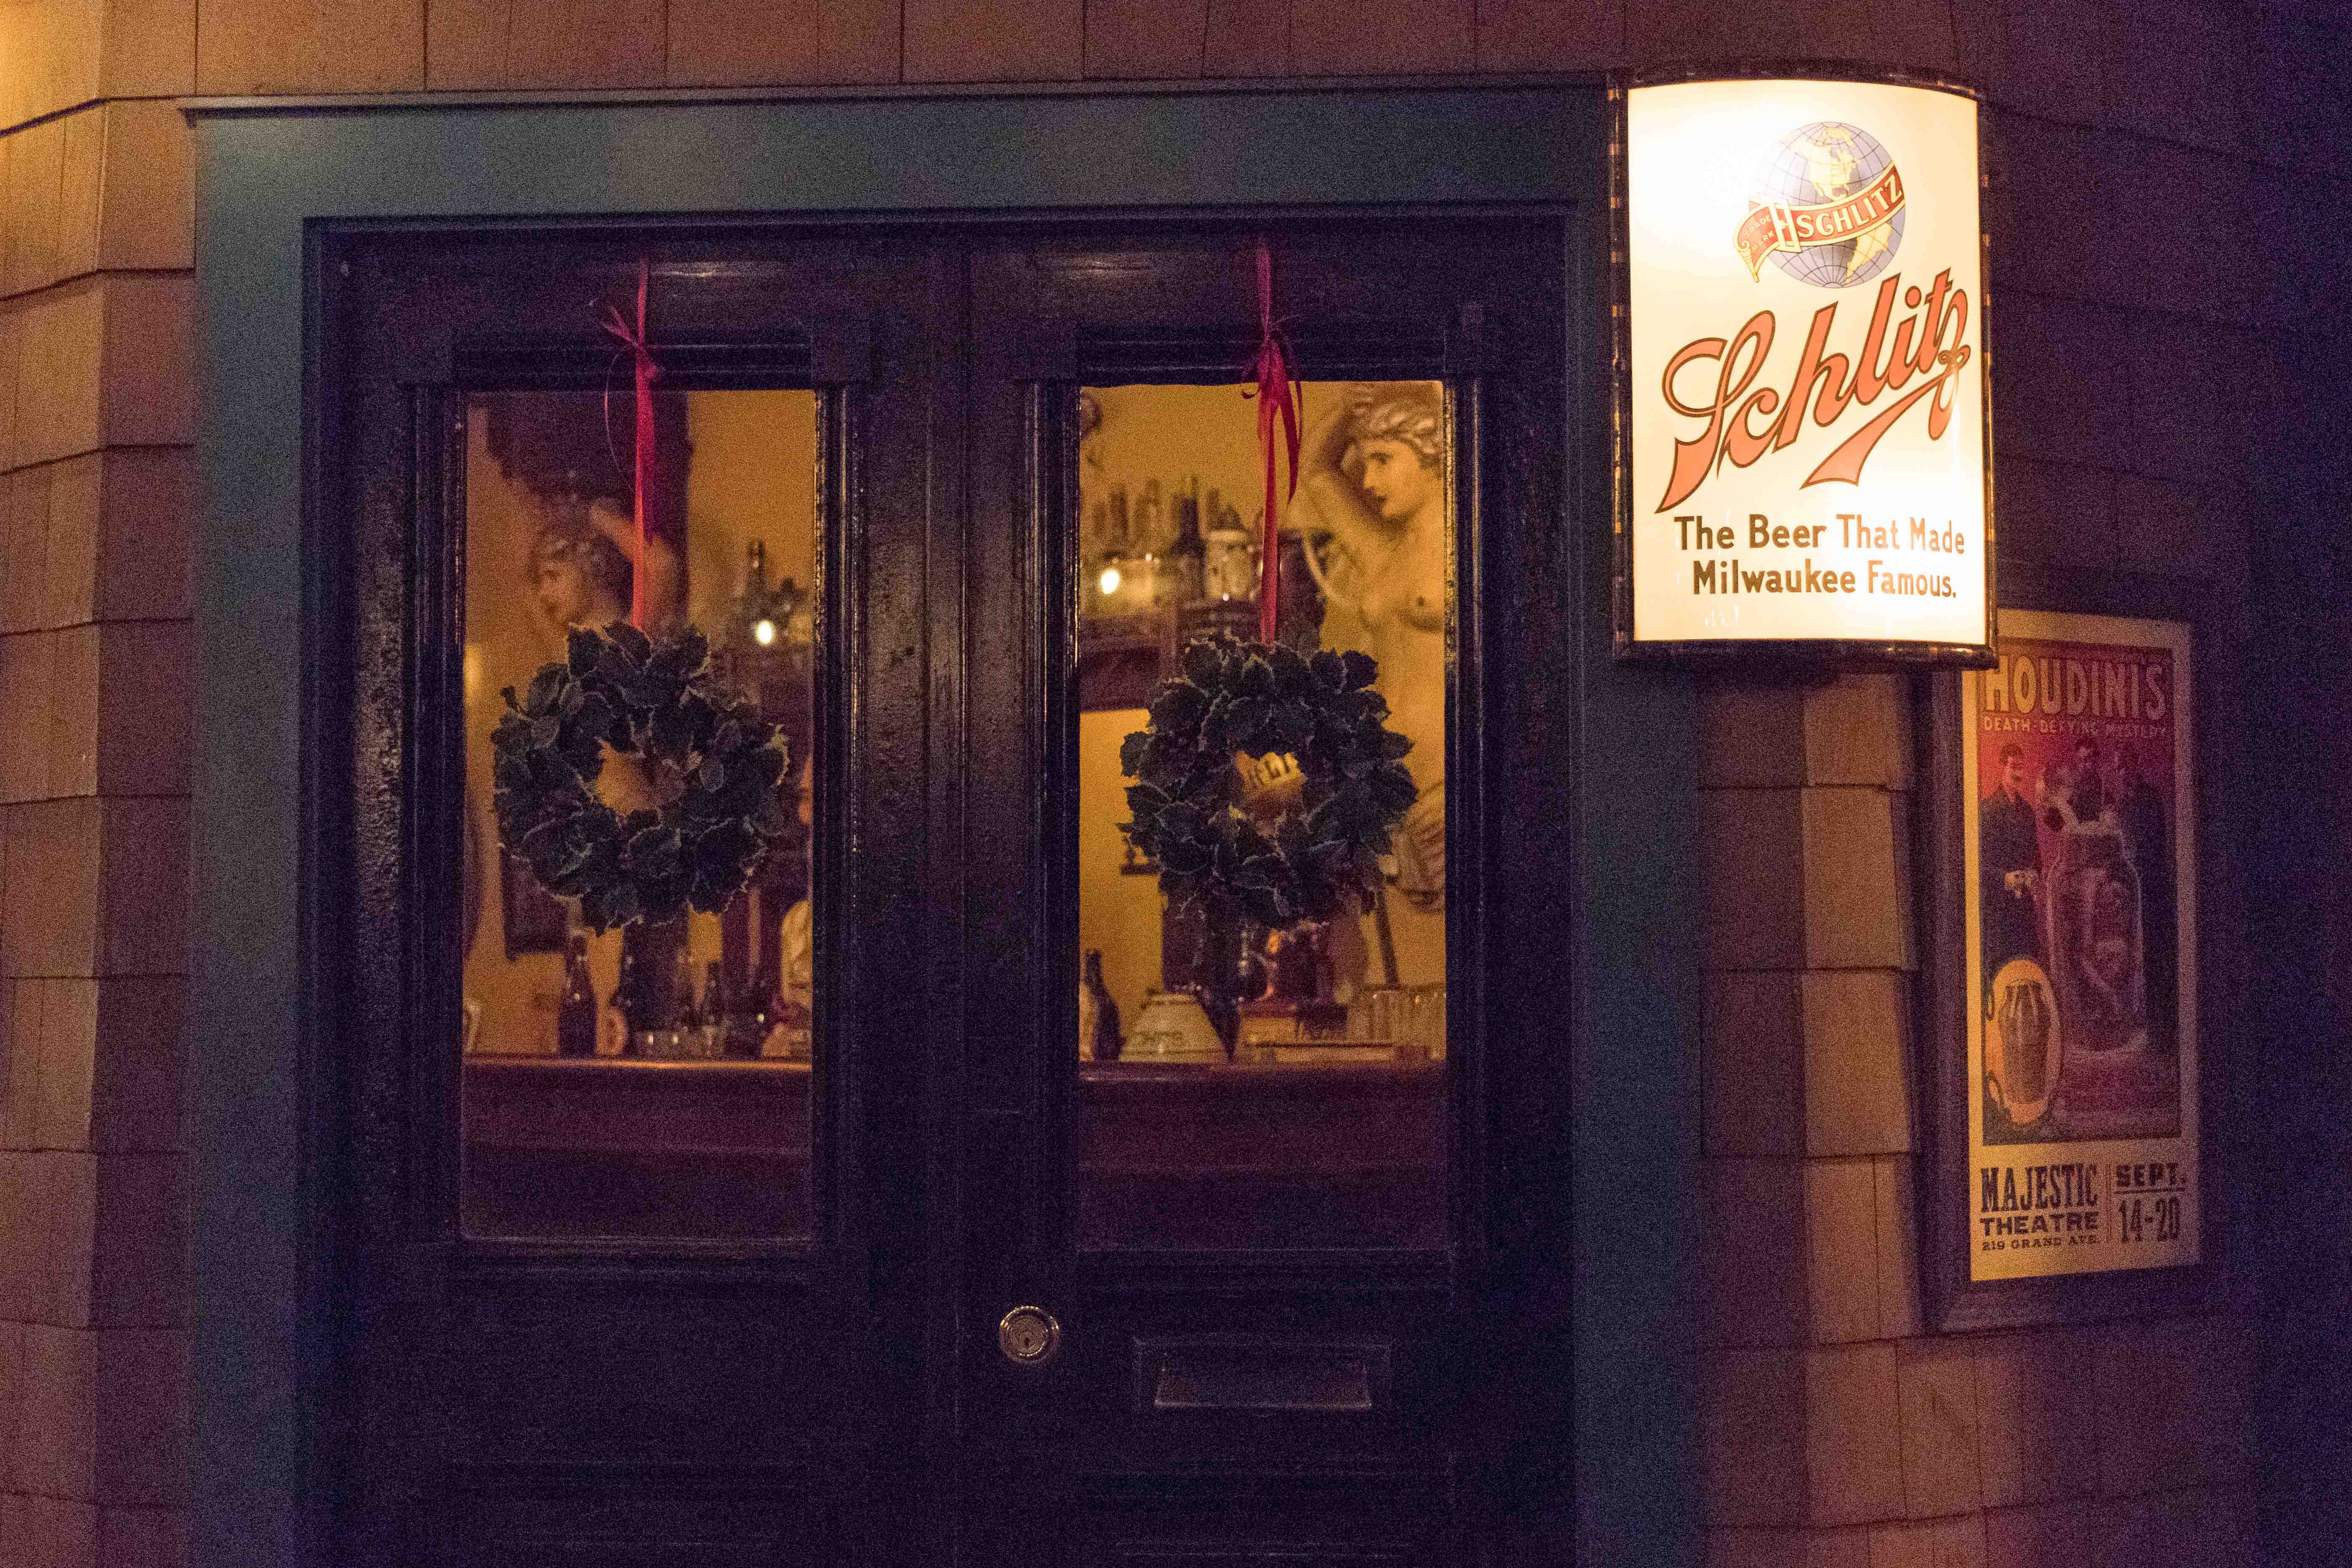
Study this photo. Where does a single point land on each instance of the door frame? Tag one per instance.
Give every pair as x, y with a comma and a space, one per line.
273, 176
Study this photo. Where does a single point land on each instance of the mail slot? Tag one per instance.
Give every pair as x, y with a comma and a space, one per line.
1231, 1374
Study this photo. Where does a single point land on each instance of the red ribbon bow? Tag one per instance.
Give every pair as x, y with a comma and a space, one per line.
1274, 392
647, 370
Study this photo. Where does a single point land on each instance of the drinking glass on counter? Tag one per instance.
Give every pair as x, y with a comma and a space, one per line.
1412, 1018
1423, 1032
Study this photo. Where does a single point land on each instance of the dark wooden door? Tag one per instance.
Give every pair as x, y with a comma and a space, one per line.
621, 1312
1310, 1312
1352, 1352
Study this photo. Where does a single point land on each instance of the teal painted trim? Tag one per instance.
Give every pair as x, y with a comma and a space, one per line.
264, 178
908, 156
1639, 1302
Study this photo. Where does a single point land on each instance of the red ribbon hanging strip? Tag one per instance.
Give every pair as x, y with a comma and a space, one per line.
647, 370
1274, 392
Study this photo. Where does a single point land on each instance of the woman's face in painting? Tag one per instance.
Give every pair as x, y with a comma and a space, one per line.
1397, 481
569, 591
564, 589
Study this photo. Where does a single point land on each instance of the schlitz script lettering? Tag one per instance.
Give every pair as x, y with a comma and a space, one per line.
1927, 342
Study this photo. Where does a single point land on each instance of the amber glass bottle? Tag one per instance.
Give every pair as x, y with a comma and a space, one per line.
575, 1012
1106, 1039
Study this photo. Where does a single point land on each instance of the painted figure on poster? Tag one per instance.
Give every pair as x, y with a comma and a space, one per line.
2075, 796
2009, 859
2092, 910
2142, 809
2074, 893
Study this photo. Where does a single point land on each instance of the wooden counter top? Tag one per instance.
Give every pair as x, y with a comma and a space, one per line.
1222, 1156
612, 1103
1167, 1155
611, 1146
1179, 1117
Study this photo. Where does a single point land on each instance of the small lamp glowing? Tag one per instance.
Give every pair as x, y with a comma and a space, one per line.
763, 631
1108, 582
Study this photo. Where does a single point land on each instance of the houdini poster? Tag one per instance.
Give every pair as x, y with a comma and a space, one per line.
2081, 969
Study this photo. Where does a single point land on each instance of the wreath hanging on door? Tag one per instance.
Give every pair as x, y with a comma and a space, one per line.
1268, 782
710, 761
711, 758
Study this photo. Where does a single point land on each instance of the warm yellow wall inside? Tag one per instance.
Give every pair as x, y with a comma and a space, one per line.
1117, 912
1175, 435
752, 476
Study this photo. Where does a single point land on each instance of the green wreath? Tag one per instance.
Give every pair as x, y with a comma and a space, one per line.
716, 761
1307, 846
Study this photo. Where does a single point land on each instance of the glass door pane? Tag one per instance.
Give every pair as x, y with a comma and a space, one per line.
650, 1081
1261, 842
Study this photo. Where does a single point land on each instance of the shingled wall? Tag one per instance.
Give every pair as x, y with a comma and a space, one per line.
2153, 262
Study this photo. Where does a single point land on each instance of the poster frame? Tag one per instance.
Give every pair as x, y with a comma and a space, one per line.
1951, 1300
1797, 654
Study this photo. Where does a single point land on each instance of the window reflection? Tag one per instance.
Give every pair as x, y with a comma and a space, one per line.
650, 1080
1275, 1084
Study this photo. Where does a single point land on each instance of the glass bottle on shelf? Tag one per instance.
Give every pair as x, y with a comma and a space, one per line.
747, 1021
1087, 1013
1105, 1041
685, 1021
1187, 555
750, 607
575, 1011
622, 1001
714, 1011
1148, 534
761, 1007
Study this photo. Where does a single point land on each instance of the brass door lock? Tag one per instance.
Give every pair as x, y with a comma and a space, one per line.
1028, 1336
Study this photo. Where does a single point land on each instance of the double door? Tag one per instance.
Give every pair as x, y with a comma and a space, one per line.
825, 1226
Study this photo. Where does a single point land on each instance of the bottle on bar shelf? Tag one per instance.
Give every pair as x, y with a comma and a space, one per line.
685, 1025
714, 1011
575, 1012
622, 1001
761, 1005
1103, 1042
747, 1021
1187, 554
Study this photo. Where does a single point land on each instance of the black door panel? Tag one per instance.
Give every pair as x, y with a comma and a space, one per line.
1317, 1344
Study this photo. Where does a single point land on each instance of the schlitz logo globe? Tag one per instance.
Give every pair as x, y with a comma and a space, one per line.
1828, 210
1826, 207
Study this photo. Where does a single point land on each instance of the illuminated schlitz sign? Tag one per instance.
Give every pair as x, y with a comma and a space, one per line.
1802, 388
1930, 340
